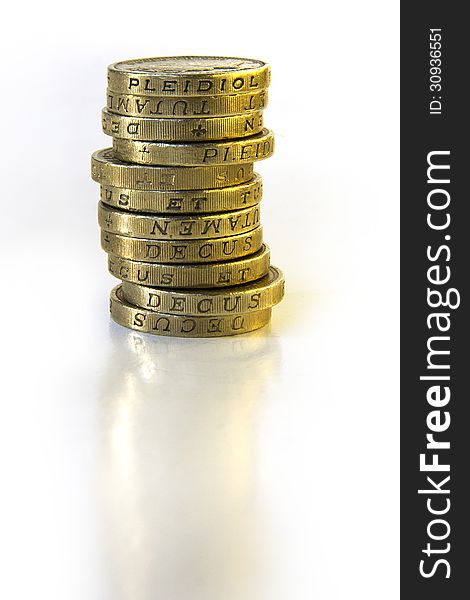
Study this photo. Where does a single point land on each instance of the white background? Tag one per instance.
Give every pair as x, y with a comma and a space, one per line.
263, 467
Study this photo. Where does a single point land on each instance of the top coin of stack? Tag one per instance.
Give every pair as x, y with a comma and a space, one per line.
186, 131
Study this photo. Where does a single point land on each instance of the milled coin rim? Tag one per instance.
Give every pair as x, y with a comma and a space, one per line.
195, 153
273, 283
191, 274
156, 201
261, 318
108, 169
124, 247
182, 130
146, 75
221, 105
137, 225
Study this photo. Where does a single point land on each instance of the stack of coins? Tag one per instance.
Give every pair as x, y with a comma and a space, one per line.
179, 210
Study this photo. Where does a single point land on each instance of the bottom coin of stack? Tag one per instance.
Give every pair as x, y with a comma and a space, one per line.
197, 313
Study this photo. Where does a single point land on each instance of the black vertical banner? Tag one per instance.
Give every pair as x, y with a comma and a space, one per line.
435, 306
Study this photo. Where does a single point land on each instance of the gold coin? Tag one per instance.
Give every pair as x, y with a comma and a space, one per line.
183, 201
178, 227
182, 251
191, 106
241, 299
106, 169
244, 150
188, 76
149, 321
181, 130
205, 275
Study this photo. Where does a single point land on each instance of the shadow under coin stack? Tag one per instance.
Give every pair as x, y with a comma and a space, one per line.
179, 210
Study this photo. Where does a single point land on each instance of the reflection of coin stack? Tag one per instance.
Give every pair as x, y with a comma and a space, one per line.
179, 208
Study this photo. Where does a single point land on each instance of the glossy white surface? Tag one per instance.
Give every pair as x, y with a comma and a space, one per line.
259, 467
